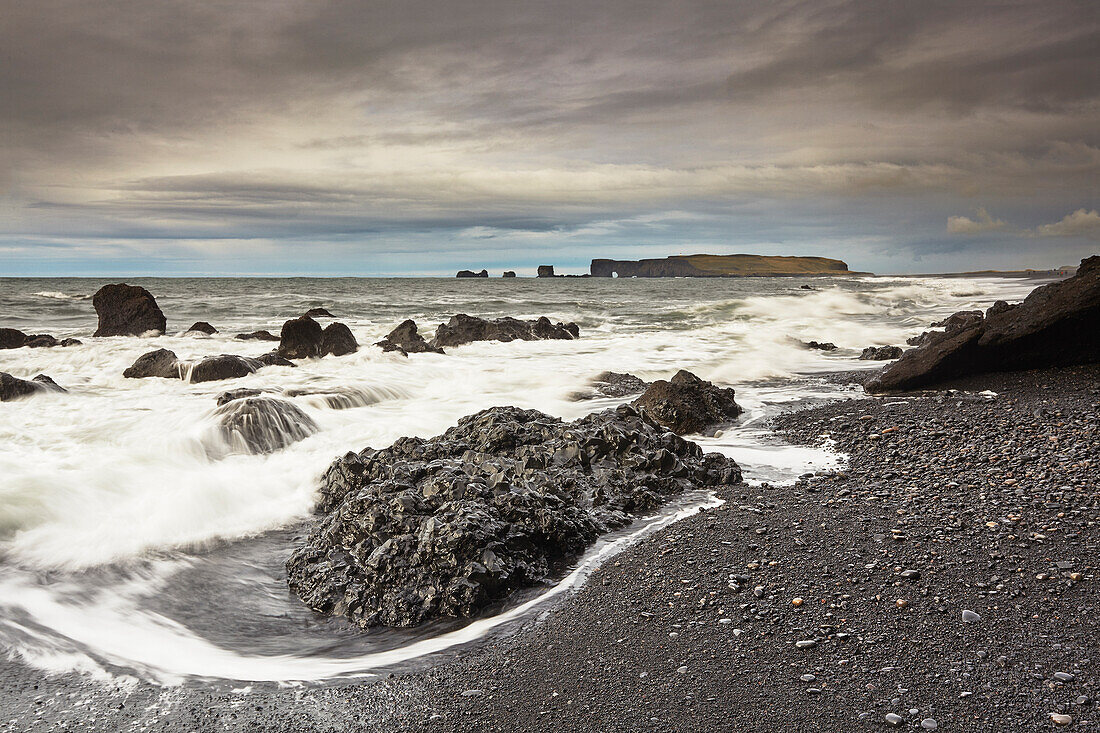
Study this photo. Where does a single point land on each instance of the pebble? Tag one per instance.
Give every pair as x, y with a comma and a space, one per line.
682, 670
911, 574
929, 724
894, 719
808, 678
473, 693
806, 644
1063, 677
1060, 719
970, 617
796, 602
725, 620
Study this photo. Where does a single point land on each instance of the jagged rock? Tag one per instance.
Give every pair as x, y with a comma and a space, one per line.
880, 353
1056, 325
821, 345
959, 321
237, 394
338, 340
202, 327
71, 342
261, 424
301, 338
13, 388
11, 338
257, 336
464, 329
127, 310
508, 273
406, 339
273, 359
999, 307
41, 341
617, 384
318, 313
471, 273
505, 499
160, 363
688, 404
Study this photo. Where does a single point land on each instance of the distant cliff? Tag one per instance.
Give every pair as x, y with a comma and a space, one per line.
720, 266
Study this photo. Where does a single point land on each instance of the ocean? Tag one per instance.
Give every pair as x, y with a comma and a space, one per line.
134, 543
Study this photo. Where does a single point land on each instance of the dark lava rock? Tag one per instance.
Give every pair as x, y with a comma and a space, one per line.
41, 341
223, 366
301, 338
70, 342
257, 336
1056, 325
618, 384
688, 404
546, 271
202, 327
262, 424
159, 363
509, 273
237, 394
127, 310
338, 340
406, 339
999, 307
471, 273
11, 338
273, 359
464, 329
959, 321
318, 313
503, 500
13, 388
821, 345
880, 353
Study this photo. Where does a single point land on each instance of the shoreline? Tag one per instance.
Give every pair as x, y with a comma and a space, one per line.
657, 640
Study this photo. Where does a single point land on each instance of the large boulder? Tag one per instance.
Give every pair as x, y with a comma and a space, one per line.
505, 499
127, 310
464, 329
301, 338
222, 366
260, 425
880, 353
13, 388
1056, 325
687, 404
160, 363
338, 340
11, 338
406, 339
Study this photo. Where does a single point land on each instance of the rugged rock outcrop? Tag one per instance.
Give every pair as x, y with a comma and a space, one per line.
318, 313
127, 310
509, 273
202, 327
13, 388
719, 266
406, 339
464, 329
546, 271
471, 273
301, 338
688, 404
880, 353
503, 500
261, 424
164, 363
618, 384
820, 345
1056, 325
338, 340
11, 338
257, 336
160, 363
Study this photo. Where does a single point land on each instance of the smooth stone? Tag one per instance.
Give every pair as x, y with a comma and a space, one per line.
929, 724
806, 644
1060, 719
894, 719
970, 617
1063, 677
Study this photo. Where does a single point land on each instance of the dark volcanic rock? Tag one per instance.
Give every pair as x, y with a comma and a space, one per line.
41, 341
318, 313
257, 336
688, 404
1056, 325
13, 388
127, 310
959, 321
159, 363
273, 359
503, 500
338, 340
618, 384
261, 424
546, 271
880, 353
223, 366
471, 273
406, 339
464, 329
202, 327
11, 338
237, 394
70, 342
509, 273
301, 338
821, 345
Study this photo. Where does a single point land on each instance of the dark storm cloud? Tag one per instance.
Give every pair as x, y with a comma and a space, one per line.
282, 119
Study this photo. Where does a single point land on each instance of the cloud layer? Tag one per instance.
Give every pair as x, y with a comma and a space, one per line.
415, 136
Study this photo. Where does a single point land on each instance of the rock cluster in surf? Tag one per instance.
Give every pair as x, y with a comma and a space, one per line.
303, 338
464, 329
503, 500
1056, 325
407, 340
688, 404
163, 363
13, 388
11, 338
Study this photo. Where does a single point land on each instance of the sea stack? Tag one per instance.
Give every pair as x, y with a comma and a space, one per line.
546, 271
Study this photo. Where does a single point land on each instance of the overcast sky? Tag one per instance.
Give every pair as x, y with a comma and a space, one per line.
409, 137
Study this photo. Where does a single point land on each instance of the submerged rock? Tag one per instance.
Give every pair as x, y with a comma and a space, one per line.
159, 363
503, 500
338, 340
237, 394
688, 404
820, 345
163, 363
202, 327
464, 329
262, 424
880, 353
406, 339
1056, 325
13, 388
301, 338
257, 336
318, 313
127, 310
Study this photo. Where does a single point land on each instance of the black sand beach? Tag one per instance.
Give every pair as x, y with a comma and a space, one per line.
952, 502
